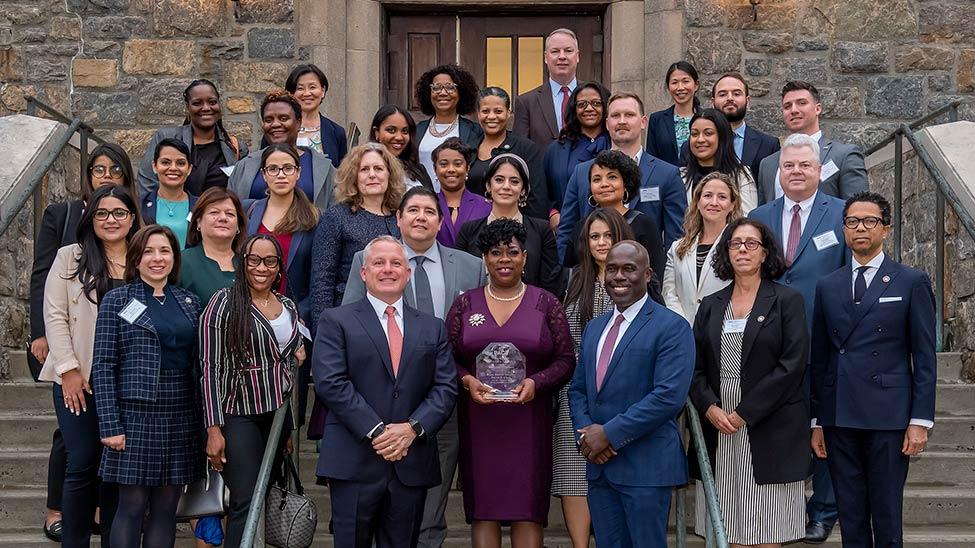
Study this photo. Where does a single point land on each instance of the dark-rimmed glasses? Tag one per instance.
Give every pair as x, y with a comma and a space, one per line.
750, 245
437, 88
102, 214
115, 171
868, 222
287, 169
583, 105
253, 261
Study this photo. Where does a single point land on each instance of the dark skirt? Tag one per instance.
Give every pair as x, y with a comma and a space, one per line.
163, 439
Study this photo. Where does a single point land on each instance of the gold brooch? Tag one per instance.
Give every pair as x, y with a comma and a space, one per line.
476, 320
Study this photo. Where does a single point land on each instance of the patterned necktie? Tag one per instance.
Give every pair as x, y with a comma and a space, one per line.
606, 353
395, 337
421, 286
860, 285
795, 231
565, 102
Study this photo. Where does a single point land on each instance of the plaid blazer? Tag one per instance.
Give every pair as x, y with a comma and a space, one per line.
126, 360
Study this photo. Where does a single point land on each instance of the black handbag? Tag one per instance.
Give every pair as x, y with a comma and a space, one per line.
203, 497
290, 518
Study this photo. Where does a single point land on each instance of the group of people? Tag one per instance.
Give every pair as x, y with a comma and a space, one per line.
176, 308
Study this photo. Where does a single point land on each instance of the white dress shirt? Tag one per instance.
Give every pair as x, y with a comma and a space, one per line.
628, 316
433, 266
818, 136
557, 98
805, 207
380, 307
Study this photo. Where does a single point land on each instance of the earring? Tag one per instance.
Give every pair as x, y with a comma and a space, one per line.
522, 201
626, 196
592, 202
487, 195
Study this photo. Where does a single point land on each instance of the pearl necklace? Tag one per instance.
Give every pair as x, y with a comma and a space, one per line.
507, 299
431, 129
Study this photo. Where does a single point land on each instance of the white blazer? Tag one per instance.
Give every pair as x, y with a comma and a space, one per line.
682, 290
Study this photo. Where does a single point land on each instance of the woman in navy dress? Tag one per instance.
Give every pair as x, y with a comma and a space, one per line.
145, 380
506, 448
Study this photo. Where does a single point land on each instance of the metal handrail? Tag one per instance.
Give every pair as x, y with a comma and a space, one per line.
256, 509
716, 535
950, 108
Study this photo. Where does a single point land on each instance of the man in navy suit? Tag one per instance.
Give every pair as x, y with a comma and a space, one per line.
385, 372
730, 95
662, 194
874, 372
809, 226
631, 383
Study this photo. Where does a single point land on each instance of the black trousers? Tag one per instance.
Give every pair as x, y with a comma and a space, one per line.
869, 472
384, 511
245, 437
56, 463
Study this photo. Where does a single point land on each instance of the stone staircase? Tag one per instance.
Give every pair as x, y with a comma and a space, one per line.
939, 505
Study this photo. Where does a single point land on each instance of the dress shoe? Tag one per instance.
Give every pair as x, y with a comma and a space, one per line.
817, 532
53, 531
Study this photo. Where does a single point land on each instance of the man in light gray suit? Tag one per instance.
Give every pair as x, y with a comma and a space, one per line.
440, 274
843, 171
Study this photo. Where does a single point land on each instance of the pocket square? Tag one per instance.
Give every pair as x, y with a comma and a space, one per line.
890, 299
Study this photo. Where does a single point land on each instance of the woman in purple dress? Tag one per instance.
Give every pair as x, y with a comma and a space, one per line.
506, 447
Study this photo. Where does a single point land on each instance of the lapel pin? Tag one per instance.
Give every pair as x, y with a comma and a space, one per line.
886, 279
761, 319
188, 300
148, 204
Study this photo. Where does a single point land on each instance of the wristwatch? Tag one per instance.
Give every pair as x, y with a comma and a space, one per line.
377, 431
417, 427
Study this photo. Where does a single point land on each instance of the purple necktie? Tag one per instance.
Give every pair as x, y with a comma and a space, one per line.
795, 231
606, 353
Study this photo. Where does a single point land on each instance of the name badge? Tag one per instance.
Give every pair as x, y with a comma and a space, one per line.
828, 171
304, 331
303, 142
890, 299
189, 216
651, 194
132, 311
227, 170
734, 326
825, 240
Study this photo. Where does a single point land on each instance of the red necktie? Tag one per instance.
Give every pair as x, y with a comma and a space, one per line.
565, 101
795, 231
606, 353
395, 337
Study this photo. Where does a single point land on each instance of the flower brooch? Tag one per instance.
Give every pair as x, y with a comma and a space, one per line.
476, 319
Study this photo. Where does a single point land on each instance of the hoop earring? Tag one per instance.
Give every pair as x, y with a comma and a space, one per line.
626, 196
592, 202
487, 195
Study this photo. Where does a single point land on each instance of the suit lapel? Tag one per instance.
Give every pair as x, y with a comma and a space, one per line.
760, 310
449, 269
142, 292
749, 147
296, 238
886, 274
598, 325
548, 107
411, 324
255, 216
647, 166
670, 131
716, 320
641, 319
370, 322
812, 224
775, 223
824, 147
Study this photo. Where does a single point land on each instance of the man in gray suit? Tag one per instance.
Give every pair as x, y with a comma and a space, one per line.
440, 274
540, 113
843, 171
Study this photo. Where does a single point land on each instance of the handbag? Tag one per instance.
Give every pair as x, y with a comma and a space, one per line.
203, 497
290, 518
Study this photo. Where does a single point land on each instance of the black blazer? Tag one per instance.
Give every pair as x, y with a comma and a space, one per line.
469, 131
662, 139
542, 268
773, 403
538, 199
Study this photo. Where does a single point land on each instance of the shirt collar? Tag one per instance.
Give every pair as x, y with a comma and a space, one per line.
380, 306
630, 313
740, 132
803, 205
557, 87
817, 136
874, 263
432, 254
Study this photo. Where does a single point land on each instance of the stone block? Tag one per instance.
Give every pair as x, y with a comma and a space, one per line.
266, 11
134, 141
947, 22
771, 16
13, 97
115, 27
189, 17
97, 6
859, 56
103, 49
270, 43
766, 42
362, 16
911, 58
704, 13
6, 36
713, 52
255, 77
895, 97
966, 70
841, 102
244, 131
11, 64
811, 44
801, 68
862, 134
759, 87
46, 68
94, 73
938, 82
29, 35
758, 67
868, 20
161, 100
18, 14
767, 116
66, 28
96, 108
227, 50
158, 57
240, 104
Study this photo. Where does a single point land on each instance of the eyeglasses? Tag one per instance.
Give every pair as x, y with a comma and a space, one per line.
868, 222
254, 261
750, 245
115, 172
583, 105
287, 169
437, 88
119, 214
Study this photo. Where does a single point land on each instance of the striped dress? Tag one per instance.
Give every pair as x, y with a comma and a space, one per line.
753, 514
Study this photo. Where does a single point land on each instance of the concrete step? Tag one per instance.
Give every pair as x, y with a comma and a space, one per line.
18, 430
955, 400
949, 367
952, 434
28, 398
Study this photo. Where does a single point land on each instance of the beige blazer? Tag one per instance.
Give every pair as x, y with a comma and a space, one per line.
69, 319
682, 290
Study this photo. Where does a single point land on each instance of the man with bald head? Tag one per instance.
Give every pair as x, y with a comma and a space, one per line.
629, 387
540, 113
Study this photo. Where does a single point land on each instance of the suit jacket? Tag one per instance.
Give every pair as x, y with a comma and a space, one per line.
335, 144
472, 207
461, 272
470, 132
147, 206
297, 265
662, 139
683, 289
757, 147
354, 379
126, 359
538, 199
535, 116
874, 364
774, 349
561, 159
643, 392
323, 173
811, 263
665, 203
69, 318
849, 179
59, 227
147, 179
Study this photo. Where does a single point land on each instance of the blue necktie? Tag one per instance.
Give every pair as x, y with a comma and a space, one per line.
860, 285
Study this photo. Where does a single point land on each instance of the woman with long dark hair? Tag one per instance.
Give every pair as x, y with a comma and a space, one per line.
212, 147
80, 277
712, 149
445, 93
249, 346
394, 128
670, 128
585, 299
583, 136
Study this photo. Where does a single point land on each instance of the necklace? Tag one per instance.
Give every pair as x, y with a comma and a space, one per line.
116, 262
266, 300
432, 130
161, 300
506, 299
304, 129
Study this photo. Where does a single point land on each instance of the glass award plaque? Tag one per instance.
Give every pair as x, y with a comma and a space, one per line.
502, 367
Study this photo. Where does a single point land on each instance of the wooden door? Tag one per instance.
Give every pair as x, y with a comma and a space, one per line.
414, 45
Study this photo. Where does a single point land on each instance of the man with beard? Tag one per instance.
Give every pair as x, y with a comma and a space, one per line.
730, 95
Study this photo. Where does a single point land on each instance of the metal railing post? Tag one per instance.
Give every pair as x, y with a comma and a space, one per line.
681, 517
898, 193
939, 278
256, 509
707, 478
